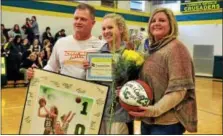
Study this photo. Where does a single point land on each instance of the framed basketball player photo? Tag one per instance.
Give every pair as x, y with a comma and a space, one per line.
59, 104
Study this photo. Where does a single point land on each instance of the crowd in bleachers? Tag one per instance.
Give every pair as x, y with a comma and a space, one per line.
25, 47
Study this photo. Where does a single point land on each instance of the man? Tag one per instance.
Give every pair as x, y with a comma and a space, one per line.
47, 35
69, 53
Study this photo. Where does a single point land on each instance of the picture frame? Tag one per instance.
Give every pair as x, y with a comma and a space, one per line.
60, 104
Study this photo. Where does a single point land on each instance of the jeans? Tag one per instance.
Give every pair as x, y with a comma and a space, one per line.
153, 129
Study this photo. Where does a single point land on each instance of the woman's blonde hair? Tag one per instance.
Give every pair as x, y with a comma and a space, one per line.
45, 42
172, 22
120, 22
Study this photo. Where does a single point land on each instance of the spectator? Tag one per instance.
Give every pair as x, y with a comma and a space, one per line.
35, 47
47, 35
14, 59
26, 44
15, 31
6, 48
5, 32
28, 30
100, 37
3, 40
143, 47
23, 32
28, 62
59, 34
28, 23
35, 27
47, 48
42, 59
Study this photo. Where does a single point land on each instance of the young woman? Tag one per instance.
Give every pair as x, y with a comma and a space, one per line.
115, 33
50, 118
169, 71
66, 119
35, 47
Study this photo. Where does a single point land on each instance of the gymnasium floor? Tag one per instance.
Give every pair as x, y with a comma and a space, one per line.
209, 101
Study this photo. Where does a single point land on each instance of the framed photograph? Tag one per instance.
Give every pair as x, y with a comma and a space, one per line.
59, 104
101, 67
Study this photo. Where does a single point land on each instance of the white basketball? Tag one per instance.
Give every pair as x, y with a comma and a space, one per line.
134, 94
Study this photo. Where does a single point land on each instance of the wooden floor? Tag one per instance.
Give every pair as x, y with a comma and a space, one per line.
209, 100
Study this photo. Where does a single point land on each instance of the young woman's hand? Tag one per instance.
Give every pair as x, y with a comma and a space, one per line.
118, 90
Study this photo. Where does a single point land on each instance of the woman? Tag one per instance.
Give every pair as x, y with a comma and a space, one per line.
14, 59
15, 31
169, 71
66, 119
35, 47
47, 48
115, 33
50, 118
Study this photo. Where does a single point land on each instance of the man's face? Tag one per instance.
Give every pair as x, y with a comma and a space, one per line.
83, 21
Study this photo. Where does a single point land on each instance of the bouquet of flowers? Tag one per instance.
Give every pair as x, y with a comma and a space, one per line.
127, 67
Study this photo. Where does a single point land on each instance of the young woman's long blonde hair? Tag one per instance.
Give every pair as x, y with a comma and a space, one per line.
120, 22
172, 21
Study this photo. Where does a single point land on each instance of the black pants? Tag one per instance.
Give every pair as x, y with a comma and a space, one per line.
130, 126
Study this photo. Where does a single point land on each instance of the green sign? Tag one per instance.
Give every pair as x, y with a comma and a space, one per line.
201, 6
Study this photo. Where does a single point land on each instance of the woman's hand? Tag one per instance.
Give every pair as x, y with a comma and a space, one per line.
166, 103
149, 111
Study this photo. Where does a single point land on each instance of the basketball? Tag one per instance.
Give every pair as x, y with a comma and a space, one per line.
78, 100
135, 94
42, 102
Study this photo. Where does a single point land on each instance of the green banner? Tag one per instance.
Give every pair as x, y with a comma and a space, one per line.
201, 6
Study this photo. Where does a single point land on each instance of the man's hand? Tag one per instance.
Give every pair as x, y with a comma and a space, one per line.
30, 72
86, 64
